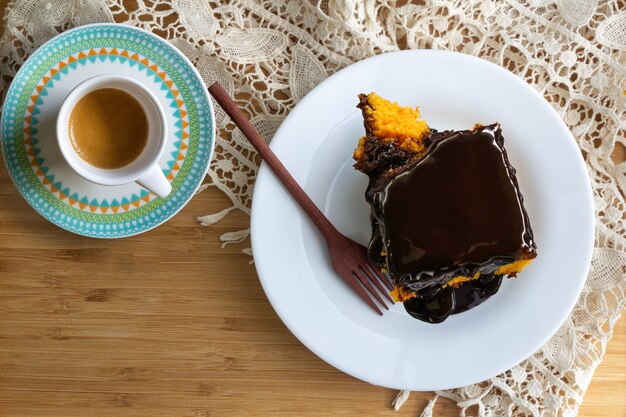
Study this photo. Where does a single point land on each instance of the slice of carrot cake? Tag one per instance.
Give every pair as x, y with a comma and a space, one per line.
448, 219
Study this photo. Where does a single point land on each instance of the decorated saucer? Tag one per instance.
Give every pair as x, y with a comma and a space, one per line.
30, 148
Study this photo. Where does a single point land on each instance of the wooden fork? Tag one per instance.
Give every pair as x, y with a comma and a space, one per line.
349, 259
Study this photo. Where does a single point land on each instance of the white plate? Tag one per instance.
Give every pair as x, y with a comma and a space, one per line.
454, 91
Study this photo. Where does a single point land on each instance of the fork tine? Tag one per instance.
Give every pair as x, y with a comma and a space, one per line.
380, 275
353, 282
365, 280
376, 270
376, 280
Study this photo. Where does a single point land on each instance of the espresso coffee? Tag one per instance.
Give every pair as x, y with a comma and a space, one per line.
108, 128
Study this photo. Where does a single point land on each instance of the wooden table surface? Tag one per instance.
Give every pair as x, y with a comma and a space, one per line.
168, 323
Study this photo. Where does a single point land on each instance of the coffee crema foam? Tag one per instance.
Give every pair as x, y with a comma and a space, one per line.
108, 128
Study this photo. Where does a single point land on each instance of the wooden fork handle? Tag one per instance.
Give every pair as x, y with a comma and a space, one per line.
241, 121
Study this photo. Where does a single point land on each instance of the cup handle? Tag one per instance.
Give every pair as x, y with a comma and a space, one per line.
154, 180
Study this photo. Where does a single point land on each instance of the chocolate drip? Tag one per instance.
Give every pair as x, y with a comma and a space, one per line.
457, 211
435, 307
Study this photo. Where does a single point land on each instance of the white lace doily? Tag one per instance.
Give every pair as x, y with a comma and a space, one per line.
269, 54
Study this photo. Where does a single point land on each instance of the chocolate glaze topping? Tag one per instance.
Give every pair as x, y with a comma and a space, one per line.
455, 211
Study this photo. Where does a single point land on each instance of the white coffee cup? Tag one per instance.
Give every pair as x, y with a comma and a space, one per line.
144, 170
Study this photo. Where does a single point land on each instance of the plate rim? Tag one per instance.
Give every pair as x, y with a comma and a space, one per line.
264, 173
211, 112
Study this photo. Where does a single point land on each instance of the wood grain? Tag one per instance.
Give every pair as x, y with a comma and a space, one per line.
168, 323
